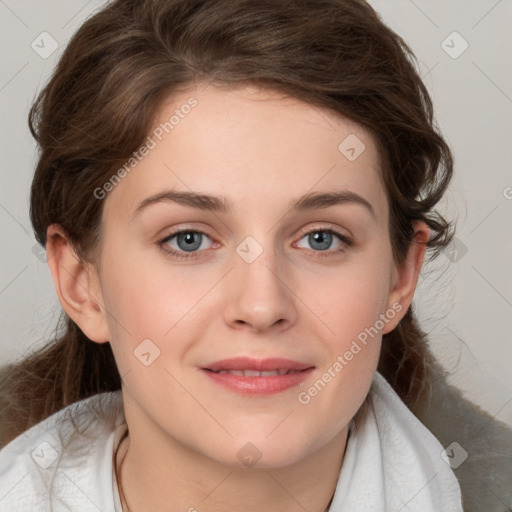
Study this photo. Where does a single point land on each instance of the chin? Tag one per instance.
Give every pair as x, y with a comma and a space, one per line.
260, 453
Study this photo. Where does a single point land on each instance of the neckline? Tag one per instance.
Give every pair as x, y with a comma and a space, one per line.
120, 434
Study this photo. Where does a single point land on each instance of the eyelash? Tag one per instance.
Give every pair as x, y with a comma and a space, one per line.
162, 244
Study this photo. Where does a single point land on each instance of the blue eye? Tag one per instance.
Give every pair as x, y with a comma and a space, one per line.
186, 243
321, 240
187, 240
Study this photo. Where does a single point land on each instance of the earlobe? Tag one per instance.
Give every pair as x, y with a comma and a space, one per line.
77, 285
405, 278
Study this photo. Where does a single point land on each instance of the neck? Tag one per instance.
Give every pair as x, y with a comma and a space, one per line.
194, 483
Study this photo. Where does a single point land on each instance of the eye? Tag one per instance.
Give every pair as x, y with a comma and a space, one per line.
184, 241
321, 240
187, 243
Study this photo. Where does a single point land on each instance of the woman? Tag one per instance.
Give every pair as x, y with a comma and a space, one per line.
236, 199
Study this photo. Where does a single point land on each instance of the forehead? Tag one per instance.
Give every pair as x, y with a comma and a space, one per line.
255, 147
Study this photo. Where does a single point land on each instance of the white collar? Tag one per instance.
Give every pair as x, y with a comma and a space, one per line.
393, 462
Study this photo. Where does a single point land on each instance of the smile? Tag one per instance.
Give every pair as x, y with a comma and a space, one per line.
250, 376
256, 373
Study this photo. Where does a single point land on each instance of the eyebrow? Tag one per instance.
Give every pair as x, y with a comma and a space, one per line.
220, 204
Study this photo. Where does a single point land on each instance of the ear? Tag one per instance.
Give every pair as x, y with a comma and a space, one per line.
77, 285
405, 277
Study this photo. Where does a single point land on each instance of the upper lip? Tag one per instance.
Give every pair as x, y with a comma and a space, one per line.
261, 365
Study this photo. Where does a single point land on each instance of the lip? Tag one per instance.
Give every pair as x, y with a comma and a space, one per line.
262, 385
261, 365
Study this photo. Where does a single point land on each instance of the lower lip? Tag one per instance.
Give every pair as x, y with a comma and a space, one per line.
259, 385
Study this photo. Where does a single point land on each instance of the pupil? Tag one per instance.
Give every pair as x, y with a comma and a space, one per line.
191, 241
322, 238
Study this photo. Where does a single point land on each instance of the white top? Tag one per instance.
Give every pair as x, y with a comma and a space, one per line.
392, 461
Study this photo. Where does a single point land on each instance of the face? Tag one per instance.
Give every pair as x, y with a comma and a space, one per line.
257, 271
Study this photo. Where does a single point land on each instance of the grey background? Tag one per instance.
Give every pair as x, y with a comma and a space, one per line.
464, 298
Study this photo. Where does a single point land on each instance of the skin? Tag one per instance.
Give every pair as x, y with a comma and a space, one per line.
261, 151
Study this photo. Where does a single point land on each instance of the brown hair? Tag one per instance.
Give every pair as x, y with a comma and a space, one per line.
101, 101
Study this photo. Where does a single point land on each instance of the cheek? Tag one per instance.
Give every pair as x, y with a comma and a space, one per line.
349, 300
351, 313
151, 299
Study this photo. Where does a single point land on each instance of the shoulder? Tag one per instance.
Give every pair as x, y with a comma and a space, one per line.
478, 444
411, 454
69, 453
392, 461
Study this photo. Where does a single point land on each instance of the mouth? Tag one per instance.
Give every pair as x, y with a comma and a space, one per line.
258, 376
248, 364
256, 373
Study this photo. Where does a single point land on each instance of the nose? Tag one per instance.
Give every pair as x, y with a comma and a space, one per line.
260, 294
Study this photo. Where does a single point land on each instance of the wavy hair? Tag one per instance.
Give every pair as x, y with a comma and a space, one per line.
101, 101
